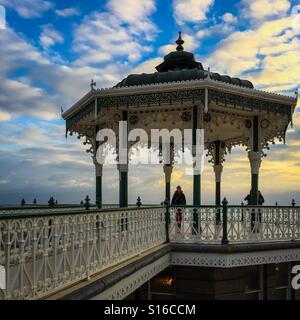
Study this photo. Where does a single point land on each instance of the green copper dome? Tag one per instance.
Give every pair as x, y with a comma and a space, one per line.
179, 65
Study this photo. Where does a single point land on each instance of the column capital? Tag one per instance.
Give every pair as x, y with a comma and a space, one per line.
122, 167
218, 168
168, 172
255, 161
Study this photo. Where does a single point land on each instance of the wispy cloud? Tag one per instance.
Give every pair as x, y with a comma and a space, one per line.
124, 31
49, 36
136, 14
28, 8
191, 11
68, 12
101, 37
44, 85
258, 10
229, 18
267, 54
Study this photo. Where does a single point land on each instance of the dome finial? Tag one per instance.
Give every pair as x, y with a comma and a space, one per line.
180, 42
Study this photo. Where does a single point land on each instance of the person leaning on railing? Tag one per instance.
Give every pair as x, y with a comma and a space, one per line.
178, 199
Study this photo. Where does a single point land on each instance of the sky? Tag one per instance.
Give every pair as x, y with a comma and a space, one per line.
50, 50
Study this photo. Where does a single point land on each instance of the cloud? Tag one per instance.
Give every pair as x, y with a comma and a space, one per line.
134, 13
28, 8
4, 116
50, 37
268, 55
229, 18
43, 85
191, 11
41, 82
223, 25
223, 28
28, 98
101, 37
147, 66
44, 162
265, 9
32, 101
123, 32
68, 12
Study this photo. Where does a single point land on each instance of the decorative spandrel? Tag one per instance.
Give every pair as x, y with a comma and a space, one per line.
272, 128
88, 134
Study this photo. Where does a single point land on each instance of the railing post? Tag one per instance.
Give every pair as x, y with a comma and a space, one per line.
87, 203
167, 221
224, 209
294, 220
196, 224
139, 202
242, 217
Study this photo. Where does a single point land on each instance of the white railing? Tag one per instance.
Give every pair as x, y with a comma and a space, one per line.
207, 229
45, 253
244, 224
261, 224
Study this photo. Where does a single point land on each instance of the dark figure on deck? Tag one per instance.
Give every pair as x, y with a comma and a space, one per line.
255, 215
178, 199
261, 199
248, 198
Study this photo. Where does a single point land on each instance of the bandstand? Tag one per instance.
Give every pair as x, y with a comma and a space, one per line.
218, 251
183, 95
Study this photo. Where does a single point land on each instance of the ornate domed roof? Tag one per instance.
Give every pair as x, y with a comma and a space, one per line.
179, 59
179, 65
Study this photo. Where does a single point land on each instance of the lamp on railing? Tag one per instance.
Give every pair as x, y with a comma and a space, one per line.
87, 202
293, 203
139, 202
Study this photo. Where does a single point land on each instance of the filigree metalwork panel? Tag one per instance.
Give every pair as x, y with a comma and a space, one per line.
247, 103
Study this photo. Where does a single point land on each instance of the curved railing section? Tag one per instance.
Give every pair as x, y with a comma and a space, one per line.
45, 252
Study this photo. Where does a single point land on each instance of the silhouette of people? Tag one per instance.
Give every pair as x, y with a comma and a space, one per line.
178, 199
261, 199
256, 216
